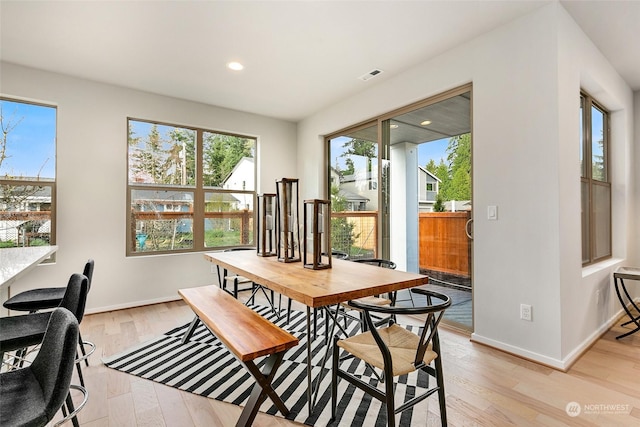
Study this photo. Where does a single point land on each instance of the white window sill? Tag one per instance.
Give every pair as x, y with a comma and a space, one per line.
608, 264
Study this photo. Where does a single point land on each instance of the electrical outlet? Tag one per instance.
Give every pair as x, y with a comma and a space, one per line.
597, 297
214, 270
525, 312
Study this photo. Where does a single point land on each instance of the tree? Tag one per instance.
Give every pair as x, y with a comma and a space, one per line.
455, 177
351, 169
6, 126
221, 153
442, 172
431, 166
181, 159
459, 150
597, 166
438, 206
359, 147
342, 237
149, 161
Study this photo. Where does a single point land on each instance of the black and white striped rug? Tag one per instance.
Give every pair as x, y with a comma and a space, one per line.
204, 366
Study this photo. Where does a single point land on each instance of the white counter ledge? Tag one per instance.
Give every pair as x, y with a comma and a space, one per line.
15, 262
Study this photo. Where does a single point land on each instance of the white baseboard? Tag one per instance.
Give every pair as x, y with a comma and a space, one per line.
517, 351
131, 305
560, 364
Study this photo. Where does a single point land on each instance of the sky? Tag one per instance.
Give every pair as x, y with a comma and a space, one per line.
31, 143
435, 150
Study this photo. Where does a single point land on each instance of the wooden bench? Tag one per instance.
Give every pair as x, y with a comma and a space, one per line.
247, 335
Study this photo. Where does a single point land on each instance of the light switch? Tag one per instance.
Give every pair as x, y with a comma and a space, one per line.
492, 213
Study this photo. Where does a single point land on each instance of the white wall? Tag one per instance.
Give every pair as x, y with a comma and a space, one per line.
525, 161
589, 304
92, 178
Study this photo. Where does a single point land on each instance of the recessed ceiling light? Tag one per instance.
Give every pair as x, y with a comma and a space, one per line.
425, 122
235, 66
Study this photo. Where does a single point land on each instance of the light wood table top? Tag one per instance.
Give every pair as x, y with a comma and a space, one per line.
345, 281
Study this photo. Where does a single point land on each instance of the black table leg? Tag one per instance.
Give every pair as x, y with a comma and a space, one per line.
634, 319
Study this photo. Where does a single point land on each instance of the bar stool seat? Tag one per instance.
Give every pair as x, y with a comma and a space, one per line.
35, 299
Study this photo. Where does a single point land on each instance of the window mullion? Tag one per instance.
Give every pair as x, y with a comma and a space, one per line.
198, 202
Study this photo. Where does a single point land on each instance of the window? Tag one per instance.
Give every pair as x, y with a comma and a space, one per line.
27, 174
189, 189
595, 181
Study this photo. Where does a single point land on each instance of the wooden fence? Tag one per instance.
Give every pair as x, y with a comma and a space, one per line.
244, 221
444, 245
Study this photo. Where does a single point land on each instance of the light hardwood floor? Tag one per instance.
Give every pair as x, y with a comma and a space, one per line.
485, 387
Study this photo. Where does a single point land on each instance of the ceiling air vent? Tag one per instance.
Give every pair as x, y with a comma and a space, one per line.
371, 74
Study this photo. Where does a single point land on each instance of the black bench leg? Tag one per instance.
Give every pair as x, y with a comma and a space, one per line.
262, 389
189, 332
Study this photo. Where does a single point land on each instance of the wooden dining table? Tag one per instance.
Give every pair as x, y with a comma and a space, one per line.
345, 281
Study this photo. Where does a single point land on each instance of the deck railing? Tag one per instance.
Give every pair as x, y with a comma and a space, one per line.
24, 228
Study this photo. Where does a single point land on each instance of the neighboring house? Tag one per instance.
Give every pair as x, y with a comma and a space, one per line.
335, 177
242, 177
163, 201
362, 188
14, 228
355, 202
428, 188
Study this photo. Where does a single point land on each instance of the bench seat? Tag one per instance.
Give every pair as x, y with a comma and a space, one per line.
247, 335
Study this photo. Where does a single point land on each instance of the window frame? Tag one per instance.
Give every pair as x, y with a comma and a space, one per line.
199, 191
589, 230
50, 183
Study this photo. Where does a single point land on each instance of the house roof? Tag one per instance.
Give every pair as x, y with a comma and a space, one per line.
235, 168
177, 196
429, 173
351, 196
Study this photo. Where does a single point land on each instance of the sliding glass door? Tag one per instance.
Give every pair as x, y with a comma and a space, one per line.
401, 189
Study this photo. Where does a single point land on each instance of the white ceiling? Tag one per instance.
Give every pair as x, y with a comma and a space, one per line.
300, 56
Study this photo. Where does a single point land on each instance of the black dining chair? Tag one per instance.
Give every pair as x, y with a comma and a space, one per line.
17, 333
235, 280
33, 300
31, 396
371, 300
396, 351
